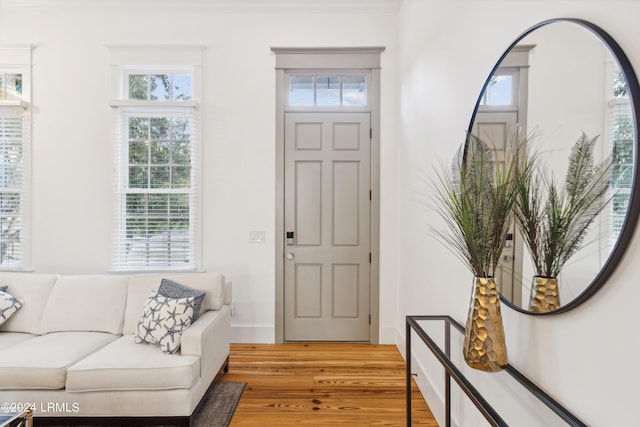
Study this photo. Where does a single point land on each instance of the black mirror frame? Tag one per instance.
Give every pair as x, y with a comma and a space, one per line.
631, 219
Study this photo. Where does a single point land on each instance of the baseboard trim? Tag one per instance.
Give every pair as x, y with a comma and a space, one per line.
431, 394
388, 335
253, 334
258, 334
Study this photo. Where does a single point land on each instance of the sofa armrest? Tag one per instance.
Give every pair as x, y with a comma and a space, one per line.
209, 338
206, 331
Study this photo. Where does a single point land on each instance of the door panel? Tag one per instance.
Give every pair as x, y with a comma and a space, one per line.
346, 215
308, 203
308, 290
327, 207
345, 290
498, 129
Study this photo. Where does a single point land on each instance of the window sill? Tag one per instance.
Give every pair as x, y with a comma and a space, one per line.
119, 103
14, 103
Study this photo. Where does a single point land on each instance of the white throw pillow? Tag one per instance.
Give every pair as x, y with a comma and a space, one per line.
8, 305
163, 321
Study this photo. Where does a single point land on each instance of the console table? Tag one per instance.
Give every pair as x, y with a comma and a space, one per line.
16, 419
492, 393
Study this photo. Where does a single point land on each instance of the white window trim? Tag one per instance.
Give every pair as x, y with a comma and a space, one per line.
122, 190
515, 82
17, 59
126, 60
144, 58
133, 103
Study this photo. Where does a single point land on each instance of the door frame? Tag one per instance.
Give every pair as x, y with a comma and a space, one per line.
516, 61
343, 59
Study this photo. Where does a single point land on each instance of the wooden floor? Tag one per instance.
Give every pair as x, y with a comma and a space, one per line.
322, 385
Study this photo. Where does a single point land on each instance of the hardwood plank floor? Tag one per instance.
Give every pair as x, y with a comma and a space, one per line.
322, 385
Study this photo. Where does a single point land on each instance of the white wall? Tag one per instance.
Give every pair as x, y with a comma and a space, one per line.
586, 358
438, 55
72, 153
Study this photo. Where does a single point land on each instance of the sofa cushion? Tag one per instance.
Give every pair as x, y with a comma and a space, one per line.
140, 286
8, 305
125, 365
7, 339
42, 361
172, 289
86, 303
163, 321
34, 290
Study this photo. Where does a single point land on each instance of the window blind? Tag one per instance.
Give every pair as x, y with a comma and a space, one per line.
621, 136
156, 216
14, 195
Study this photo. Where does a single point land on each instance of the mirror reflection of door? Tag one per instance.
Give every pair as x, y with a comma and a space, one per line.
495, 128
563, 78
501, 118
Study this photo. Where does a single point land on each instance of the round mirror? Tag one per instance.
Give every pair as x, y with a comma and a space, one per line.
560, 81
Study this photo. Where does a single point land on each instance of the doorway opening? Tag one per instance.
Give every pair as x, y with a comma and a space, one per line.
327, 198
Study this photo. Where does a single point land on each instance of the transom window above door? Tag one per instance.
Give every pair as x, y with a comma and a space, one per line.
328, 90
501, 91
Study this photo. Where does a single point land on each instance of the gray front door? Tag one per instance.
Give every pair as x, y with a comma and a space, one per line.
497, 129
327, 227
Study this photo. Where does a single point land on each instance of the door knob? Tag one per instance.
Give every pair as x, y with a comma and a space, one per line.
290, 255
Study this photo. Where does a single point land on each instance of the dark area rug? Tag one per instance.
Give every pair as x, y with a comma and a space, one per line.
218, 405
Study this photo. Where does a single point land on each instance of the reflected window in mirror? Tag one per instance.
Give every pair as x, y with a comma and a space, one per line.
500, 89
558, 80
621, 139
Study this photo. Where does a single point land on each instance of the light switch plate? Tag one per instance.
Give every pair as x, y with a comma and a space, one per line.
256, 236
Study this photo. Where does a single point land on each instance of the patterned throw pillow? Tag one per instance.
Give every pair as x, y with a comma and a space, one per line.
163, 321
3, 288
171, 289
8, 305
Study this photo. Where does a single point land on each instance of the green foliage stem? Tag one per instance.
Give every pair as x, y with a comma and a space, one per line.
476, 201
554, 220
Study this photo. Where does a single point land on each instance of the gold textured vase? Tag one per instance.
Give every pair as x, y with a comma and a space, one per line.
545, 296
484, 345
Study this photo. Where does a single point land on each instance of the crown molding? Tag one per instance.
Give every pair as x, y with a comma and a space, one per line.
220, 5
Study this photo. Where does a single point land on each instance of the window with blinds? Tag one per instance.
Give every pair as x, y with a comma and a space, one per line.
156, 218
14, 164
620, 136
13, 137
621, 132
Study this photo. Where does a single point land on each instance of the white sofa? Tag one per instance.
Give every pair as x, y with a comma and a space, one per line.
69, 351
